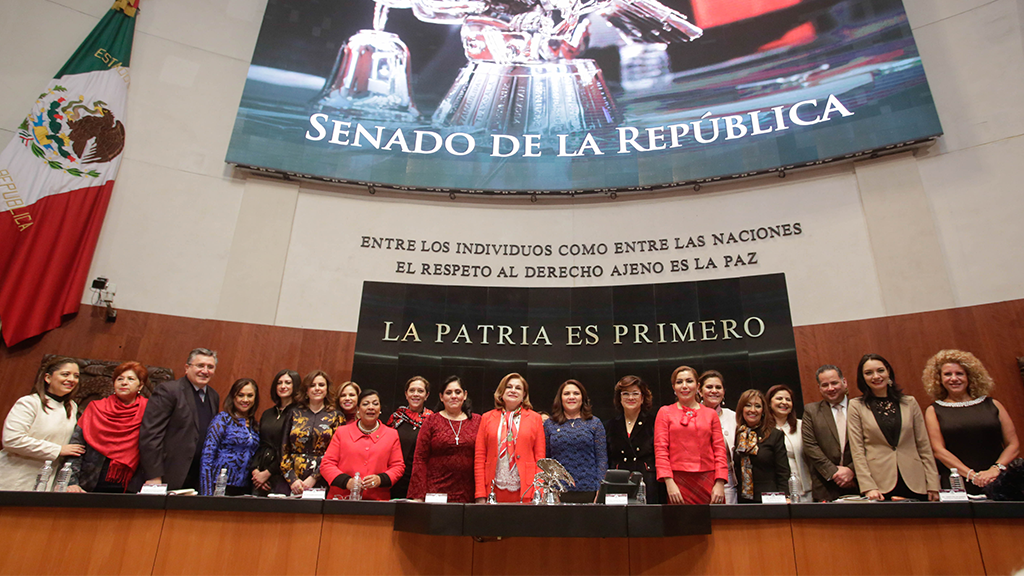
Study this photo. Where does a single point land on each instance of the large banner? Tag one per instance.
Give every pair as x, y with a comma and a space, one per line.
576, 95
740, 327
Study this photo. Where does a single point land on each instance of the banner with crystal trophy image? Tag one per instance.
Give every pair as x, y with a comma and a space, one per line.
574, 96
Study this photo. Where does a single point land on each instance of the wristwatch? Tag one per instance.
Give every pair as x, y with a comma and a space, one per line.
1002, 468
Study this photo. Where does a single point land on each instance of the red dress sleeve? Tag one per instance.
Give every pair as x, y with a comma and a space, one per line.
420, 459
662, 461
720, 452
484, 441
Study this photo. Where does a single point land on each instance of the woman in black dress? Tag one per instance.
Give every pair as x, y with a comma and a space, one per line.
630, 435
968, 429
407, 420
759, 457
266, 463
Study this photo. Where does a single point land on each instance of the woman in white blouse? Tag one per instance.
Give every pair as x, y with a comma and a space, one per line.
712, 393
780, 402
39, 425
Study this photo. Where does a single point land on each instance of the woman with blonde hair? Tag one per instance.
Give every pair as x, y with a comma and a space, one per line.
969, 430
508, 444
348, 400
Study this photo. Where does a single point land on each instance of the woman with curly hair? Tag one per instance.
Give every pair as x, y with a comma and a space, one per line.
969, 430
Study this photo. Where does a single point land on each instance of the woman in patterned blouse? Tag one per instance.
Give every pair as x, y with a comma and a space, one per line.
576, 439
232, 440
308, 433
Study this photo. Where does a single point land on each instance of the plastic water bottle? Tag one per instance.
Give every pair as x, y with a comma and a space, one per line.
222, 483
357, 490
956, 481
43, 478
795, 490
641, 493
63, 478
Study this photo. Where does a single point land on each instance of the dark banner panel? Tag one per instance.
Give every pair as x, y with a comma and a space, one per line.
739, 326
576, 95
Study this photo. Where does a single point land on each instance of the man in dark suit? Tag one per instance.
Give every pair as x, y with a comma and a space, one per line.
824, 433
174, 426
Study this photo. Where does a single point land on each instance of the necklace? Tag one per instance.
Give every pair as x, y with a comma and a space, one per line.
452, 426
359, 423
963, 404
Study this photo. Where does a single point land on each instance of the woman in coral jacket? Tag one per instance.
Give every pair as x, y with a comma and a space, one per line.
689, 448
367, 448
509, 443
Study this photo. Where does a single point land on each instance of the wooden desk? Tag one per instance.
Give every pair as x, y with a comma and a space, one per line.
92, 534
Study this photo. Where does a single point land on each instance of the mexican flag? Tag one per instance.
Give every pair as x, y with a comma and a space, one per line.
56, 176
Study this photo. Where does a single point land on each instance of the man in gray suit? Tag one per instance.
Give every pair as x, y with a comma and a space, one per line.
174, 426
824, 433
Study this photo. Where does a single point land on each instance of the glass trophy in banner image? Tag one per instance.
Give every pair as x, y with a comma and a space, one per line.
523, 75
371, 76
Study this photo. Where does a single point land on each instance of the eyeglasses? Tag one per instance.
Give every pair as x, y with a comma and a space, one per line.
630, 394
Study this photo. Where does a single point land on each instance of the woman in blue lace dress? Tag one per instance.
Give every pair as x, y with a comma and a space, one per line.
232, 440
576, 439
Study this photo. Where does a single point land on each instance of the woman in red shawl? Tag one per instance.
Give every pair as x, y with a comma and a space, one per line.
109, 429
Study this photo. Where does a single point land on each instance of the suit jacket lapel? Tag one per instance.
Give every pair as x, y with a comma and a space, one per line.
830, 420
906, 420
189, 392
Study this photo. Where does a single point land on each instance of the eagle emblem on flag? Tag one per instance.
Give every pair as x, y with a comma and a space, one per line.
71, 134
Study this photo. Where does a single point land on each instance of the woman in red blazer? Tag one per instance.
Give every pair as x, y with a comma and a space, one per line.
369, 448
689, 448
509, 443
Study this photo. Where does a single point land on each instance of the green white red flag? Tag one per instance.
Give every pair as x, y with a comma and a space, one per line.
56, 176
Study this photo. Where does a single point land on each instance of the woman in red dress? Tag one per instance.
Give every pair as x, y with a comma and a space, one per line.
689, 449
445, 448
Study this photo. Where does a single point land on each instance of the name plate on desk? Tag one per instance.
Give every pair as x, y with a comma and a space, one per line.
616, 499
436, 498
314, 494
950, 496
773, 498
160, 489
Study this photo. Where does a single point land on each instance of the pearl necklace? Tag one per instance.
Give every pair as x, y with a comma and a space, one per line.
359, 424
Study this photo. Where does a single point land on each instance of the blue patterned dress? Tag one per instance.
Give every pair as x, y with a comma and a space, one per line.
230, 443
579, 445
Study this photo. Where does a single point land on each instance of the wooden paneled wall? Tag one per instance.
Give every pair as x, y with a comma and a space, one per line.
993, 332
244, 350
